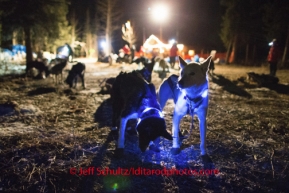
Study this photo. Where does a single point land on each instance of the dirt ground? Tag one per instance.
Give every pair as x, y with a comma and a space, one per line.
56, 139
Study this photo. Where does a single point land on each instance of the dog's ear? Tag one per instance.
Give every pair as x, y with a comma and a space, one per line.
182, 62
205, 64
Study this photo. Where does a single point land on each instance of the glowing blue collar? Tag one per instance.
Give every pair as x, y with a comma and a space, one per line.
150, 112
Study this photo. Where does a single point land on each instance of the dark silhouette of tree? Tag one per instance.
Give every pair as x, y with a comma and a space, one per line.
90, 37
75, 28
109, 16
37, 19
276, 20
242, 29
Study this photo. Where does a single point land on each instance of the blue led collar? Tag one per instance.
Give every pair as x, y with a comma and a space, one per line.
150, 112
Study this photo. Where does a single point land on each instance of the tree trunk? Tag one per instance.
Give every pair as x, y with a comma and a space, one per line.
29, 57
108, 28
247, 54
254, 53
74, 31
234, 50
95, 45
144, 35
228, 52
285, 50
14, 38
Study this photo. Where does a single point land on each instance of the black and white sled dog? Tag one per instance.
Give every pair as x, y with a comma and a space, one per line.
190, 94
134, 98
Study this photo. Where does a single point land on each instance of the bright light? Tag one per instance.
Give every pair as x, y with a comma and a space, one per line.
160, 12
191, 52
180, 47
172, 41
103, 44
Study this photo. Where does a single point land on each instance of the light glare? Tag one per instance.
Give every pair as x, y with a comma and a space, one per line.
160, 12
103, 44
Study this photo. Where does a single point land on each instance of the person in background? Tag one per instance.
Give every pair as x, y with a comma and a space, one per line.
173, 54
127, 53
273, 56
196, 58
132, 51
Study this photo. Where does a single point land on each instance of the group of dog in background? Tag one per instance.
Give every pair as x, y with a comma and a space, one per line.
55, 68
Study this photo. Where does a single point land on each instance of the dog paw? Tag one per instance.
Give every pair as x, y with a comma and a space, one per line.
175, 151
118, 152
154, 148
206, 159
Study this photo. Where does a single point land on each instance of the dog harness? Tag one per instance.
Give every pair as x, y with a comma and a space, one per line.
150, 112
192, 103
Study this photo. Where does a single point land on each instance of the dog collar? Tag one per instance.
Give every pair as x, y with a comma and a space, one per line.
150, 112
195, 102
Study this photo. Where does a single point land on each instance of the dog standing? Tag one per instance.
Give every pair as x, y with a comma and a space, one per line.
190, 95
77, 70
163, 64
40, 66
57, 69
134, 98
212, 67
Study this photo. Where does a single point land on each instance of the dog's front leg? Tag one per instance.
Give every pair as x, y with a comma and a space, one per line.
202, 114
75, 82
83, 81
176, 128
120, 144
121, 137
179, 111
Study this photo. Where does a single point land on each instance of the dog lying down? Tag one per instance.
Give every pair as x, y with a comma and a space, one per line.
190, 94
134, 98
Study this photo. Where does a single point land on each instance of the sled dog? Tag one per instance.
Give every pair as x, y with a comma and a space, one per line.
190, 94
134, 98
77, 70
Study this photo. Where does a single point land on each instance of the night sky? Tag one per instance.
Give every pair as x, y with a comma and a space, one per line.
197, 22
